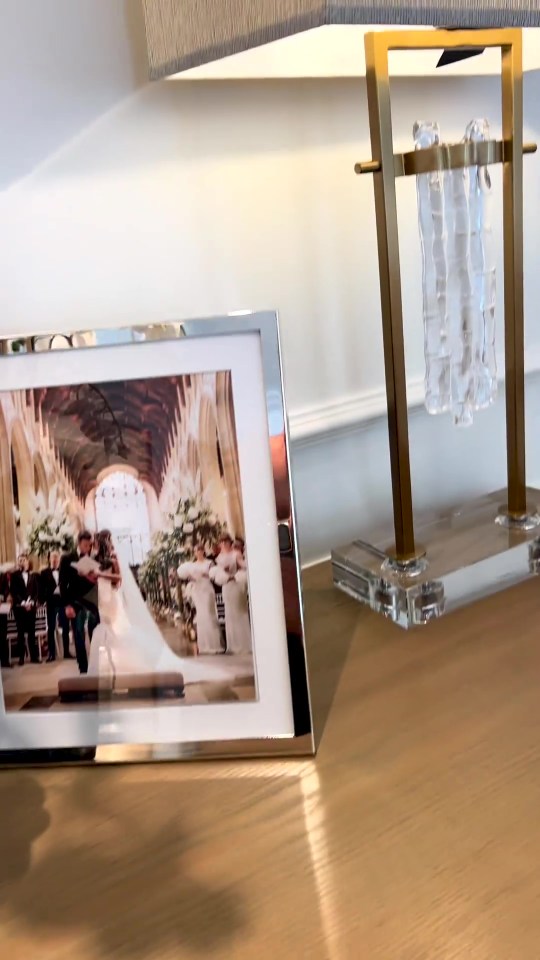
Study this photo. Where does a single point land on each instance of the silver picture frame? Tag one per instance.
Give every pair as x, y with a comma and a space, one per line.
265, 325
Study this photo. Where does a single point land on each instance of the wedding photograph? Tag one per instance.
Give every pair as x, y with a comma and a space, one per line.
124, 577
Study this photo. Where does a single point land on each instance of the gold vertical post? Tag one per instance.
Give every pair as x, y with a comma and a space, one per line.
512, 123
380, 121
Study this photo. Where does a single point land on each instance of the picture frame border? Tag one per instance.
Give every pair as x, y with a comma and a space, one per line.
266, 325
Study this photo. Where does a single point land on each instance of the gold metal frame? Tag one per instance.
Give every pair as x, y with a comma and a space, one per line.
446, 156
385, 167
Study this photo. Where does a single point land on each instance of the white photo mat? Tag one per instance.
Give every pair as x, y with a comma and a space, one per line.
271, 715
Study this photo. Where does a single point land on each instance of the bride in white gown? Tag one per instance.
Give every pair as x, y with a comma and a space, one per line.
128, 641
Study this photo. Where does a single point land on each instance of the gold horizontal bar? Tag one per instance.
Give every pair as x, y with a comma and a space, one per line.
447, 156
367, 166
444, 39
452, 156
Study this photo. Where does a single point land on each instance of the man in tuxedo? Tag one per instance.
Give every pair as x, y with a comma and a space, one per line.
5, 659
24, 588
50, 594
80, 596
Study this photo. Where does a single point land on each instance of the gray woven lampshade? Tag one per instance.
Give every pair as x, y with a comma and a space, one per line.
187, 33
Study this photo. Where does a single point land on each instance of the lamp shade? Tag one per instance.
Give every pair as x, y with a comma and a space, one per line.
183, 34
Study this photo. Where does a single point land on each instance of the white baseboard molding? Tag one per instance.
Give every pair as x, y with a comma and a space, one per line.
319, 421
348, 413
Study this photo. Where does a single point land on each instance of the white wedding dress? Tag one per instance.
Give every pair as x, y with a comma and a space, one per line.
203, 596
233, 580
128, 641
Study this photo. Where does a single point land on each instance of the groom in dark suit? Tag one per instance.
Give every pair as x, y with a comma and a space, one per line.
5, 659
80, 596
24, 586
50, 595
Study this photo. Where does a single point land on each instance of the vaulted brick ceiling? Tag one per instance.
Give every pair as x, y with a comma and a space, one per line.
94, 426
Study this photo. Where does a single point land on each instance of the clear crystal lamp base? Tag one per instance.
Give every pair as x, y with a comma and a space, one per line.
470, 553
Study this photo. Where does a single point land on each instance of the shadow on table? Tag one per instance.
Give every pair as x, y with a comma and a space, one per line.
116, 875
23, 818
331, 619
138, 864
149, 862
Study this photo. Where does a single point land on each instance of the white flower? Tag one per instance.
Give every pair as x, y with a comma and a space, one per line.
188, 528
212, 519
178, 521
42, 536
192, 513
219, 576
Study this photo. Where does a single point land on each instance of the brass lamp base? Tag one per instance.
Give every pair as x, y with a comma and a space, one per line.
468, 555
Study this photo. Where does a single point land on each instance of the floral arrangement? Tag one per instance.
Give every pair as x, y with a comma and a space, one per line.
192, 523
51, 528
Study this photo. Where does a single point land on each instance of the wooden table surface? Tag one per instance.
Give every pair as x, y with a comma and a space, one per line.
415, 835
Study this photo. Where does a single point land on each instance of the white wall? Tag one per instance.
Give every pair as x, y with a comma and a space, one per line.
63, 63
195, 199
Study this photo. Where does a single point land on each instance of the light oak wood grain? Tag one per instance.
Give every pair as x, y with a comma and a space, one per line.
414, 835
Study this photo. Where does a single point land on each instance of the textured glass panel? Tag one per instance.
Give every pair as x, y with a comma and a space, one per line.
483, 269
458, 282
430, 190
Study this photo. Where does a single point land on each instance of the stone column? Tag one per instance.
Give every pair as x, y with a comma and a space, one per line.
25, 474
90, 522
154, 513
214, 486
229, 451
8, 544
